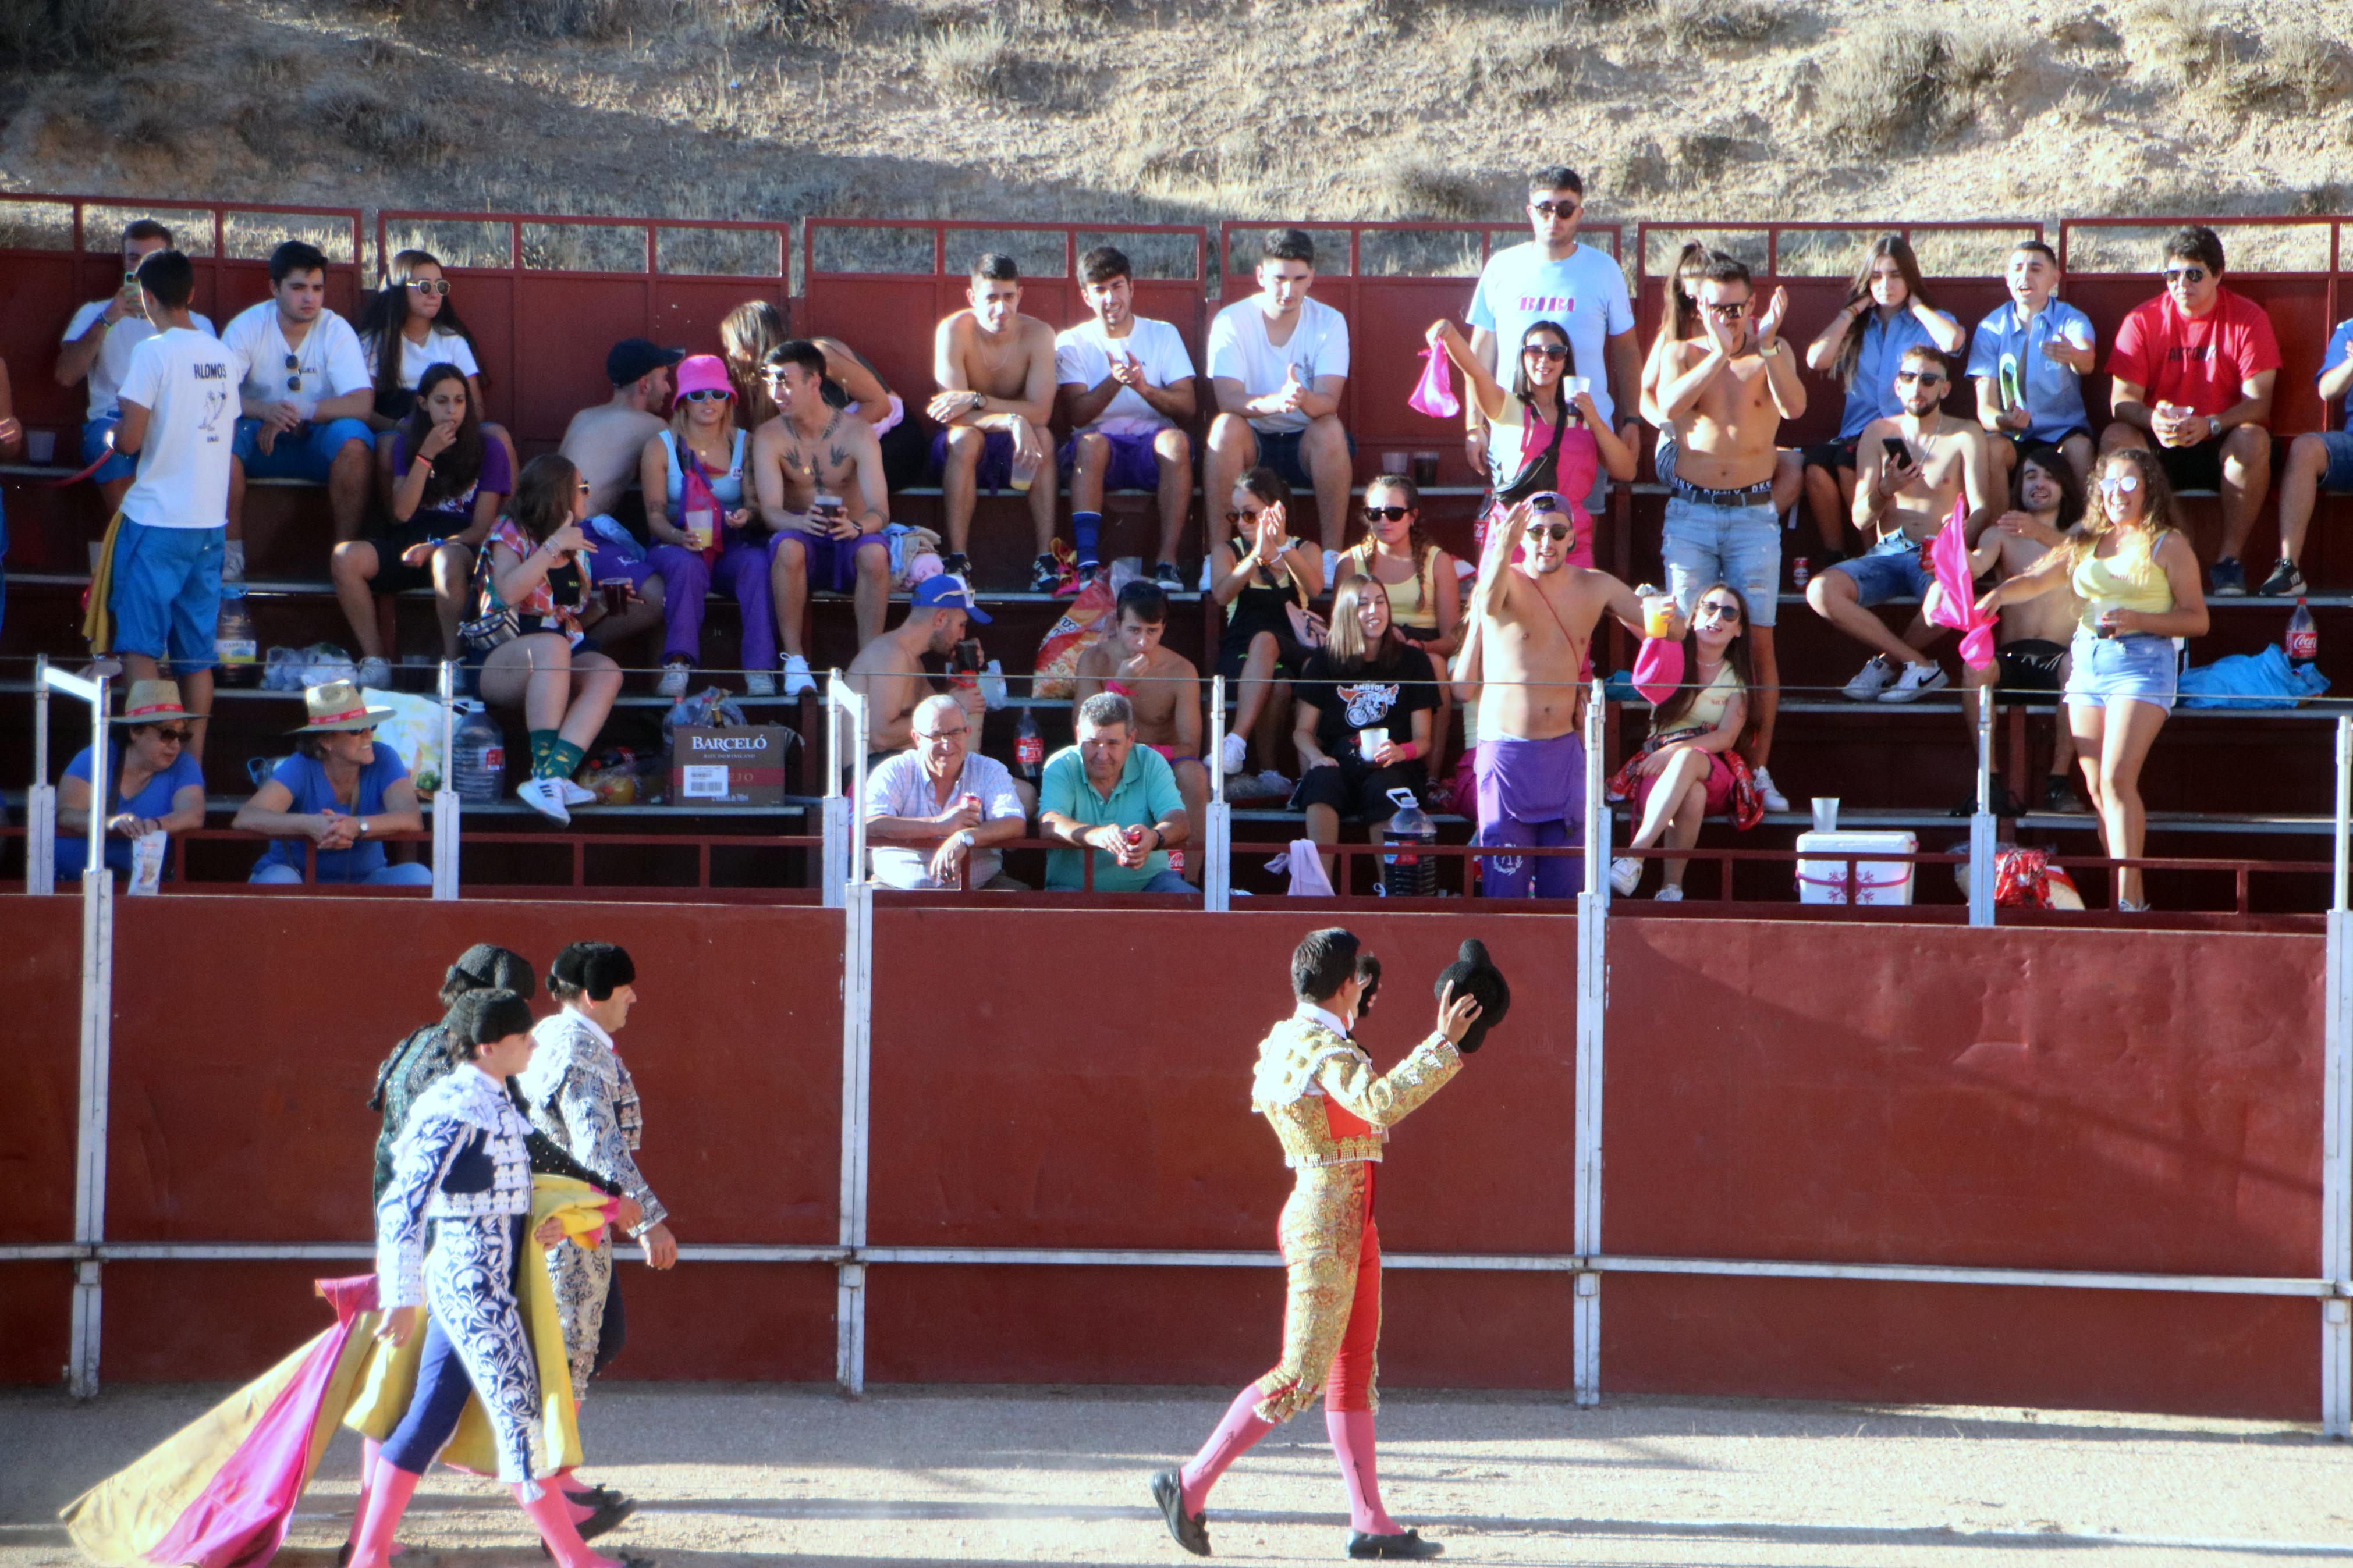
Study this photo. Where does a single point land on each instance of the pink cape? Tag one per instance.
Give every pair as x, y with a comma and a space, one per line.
1948, 558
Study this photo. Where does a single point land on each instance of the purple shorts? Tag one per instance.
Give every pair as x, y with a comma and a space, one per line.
1134, 467
832, 563
994, 472
1532, 794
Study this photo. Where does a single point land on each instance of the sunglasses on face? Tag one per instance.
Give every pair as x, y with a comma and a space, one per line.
177, 737
2121, 485
1925, 377
1731, 313
429, 285
1387, 513
1555, 209
1251, 516
707, 395
583, 487
1546, 502
2192, 276
1545, 351
1550, 531
1717, 610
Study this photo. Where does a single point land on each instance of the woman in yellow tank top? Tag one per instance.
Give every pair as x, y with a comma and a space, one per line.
2138, 580
1425, 591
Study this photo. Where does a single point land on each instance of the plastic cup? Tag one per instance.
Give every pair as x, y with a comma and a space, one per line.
1826, 809
1370, 741
41, 446
1657, 615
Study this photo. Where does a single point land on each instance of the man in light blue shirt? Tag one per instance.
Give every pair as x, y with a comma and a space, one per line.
2028, 359
1109, 795
2317, 460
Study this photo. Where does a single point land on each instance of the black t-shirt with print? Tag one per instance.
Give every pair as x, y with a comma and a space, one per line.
1378, 697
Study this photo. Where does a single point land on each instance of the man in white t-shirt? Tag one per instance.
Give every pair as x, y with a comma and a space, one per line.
307, 392
1554, 279
1279, 361
97, 346
1127, 388
178, 399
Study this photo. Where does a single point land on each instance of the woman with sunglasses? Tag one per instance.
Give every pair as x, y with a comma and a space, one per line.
2137, 578
1689, 768
341, 791
1541, 436
1680, 323
409, 325
1422, 582
157, 785
705, 440
1266, 580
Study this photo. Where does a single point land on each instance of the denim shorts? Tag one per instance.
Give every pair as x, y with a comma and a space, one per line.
166, 593
93, 446
1741, 545
2135, 667
1891, 569
301, 454
2339, 476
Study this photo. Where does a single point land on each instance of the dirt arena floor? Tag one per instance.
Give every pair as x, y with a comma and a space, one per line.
744, 1476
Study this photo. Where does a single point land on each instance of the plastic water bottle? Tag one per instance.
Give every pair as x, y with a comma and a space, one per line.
1029, 746
478, 766
233, 640
2303, 638
1407, 868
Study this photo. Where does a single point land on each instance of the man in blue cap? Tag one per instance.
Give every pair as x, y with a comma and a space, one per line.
889, 671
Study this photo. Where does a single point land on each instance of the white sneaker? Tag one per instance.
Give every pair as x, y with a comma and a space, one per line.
759, 683
1233, 751
233, 561
1915, 679
1209, 573
674, 677
1625, 875
575, 794
1871, 680
1331, 566
1670, 894
544, 796
798, 678
375, 672
1766, 792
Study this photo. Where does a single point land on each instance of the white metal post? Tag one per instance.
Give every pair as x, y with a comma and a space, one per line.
2336, 1127
41, 799
447, 809
1982, 826
834, 874
1217, 849
1592, 999
848, 889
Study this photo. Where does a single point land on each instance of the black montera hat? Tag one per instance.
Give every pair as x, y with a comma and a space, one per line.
1474, 972
593, 968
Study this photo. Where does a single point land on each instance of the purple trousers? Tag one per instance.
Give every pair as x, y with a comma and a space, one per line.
741, 574
1531, 793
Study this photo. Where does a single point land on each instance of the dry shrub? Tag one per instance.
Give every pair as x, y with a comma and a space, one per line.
1715, 23
591, 21
1637, 169
1418, 188
804, 22
975, 60
2178, 38
369, 123
1893, 85
74, 35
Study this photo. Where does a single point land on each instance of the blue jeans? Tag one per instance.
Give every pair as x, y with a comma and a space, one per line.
306, 453
1891, 569
402, 874
1741, 545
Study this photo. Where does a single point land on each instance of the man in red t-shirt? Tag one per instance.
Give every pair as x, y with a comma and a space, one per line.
2194, 368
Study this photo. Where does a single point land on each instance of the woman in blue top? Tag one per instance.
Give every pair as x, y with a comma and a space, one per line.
1888, 311
157, 786
341, 791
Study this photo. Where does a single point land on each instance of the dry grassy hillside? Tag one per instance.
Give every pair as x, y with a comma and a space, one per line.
1188, 109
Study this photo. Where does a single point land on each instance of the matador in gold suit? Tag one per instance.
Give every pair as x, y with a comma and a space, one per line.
1331, 1111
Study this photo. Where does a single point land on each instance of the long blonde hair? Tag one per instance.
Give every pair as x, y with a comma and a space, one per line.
1344, 643
2137, 546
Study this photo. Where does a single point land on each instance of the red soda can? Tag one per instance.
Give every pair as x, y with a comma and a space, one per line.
1799, 570
1134, 836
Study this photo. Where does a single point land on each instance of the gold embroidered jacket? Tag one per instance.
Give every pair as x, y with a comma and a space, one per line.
1327, 1105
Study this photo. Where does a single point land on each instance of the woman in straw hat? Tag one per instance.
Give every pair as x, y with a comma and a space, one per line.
343, 792
157, 786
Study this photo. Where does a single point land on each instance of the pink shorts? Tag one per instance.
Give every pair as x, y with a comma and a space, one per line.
1717, 783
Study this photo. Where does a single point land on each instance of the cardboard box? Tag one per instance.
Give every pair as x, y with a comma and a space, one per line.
733, 764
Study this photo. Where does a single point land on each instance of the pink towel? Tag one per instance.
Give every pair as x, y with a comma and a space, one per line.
1948, 557
1435, 395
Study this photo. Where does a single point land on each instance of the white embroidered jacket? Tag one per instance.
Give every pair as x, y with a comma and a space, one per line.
460, 1157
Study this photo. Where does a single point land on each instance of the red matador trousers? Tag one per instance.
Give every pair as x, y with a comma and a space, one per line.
1332, 1311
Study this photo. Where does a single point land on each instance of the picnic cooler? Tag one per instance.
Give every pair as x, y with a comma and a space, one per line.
1876, 881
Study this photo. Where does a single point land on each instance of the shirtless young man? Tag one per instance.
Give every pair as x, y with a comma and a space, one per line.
605, 441
995, 371
2046, 506
1164, 688
1529, 633
889, 671
1725, 394
817, 472
1900, 505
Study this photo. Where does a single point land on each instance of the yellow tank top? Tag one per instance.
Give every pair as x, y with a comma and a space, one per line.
1707, 709
1412, 603
2113, 582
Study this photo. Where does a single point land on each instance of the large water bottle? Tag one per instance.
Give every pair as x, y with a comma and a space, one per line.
1408, 869
478, 763
234, 646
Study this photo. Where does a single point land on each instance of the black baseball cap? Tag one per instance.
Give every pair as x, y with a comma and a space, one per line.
634, 357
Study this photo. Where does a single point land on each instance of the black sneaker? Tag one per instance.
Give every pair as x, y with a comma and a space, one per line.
956, 563
2285, 582
2004, 804
2059, 794
1045, 575
1191, 1531
1408, 1545
1164, 573
2229, 579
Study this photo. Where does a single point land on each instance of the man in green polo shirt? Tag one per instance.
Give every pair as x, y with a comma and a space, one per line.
1109, 795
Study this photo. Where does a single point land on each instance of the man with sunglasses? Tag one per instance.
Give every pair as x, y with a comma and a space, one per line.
97, 347
2193, 375
306, 393
1900, 503
1552, 277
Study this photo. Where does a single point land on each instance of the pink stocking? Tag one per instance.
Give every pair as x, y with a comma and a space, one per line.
1352, 1440
1233, 1440
550, 1512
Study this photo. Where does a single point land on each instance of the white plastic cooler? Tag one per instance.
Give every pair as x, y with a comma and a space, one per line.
1876, 881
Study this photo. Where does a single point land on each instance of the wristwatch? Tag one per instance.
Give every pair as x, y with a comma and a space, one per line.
2213, 426
1770, 350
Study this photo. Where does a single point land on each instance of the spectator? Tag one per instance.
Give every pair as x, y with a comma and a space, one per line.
1554, 279
1161, 687
1266, 579
2317, 460
164, 572
1109, 795
1727, 395
157, 786
341, 791
889, 671
306, 393
2046, 509
1361, 717
1423, 583
817, 479
995, 367
856, 386
2029, 358
1691, 768
1913, 467
1680, 324
2194, 368
445, 479
12, 448
1888, 311
1547, 433
1278, 362
2137, 578
606, 441
1127, 390
746, 335
97, 348
950, 802
408, 326
693, 554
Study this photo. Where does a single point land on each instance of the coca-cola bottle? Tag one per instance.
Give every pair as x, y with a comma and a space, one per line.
2303, 637
1029, 746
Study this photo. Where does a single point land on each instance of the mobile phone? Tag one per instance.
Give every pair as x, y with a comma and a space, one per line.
1897, 451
